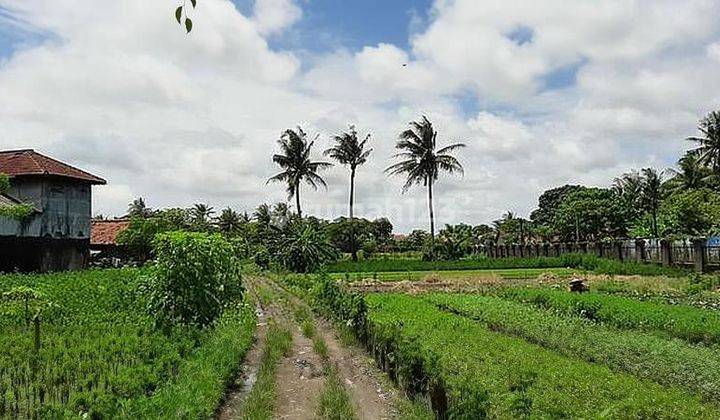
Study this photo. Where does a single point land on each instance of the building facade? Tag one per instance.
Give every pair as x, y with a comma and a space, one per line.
56, 236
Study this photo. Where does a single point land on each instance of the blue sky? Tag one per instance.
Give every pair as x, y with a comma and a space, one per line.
329, 24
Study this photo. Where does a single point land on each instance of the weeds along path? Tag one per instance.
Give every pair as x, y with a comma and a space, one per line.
371, 395
237, 394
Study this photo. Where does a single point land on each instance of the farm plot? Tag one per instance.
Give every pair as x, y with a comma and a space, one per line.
469, 370
100, 356
508, 274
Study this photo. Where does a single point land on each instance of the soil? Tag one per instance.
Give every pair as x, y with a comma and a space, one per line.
371, 396
299, 381
300, 378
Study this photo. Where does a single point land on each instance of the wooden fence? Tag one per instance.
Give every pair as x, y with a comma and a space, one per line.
696, 253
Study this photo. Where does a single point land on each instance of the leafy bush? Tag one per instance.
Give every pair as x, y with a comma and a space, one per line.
262, 258
4, 183
196, 276
303, 248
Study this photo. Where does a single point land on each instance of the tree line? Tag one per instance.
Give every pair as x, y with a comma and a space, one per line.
680, 202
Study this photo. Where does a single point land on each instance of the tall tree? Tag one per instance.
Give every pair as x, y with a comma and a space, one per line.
229, 221
708, 151
690, 175
294, 159
201, 215
138, 209
651, 195
422, 161
350, 152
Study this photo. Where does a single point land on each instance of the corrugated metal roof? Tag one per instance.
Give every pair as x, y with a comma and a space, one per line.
30, 162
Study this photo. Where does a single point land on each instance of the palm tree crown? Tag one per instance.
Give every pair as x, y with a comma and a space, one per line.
202, 213
421, 161
708, 151
294, 159
691, 174
348, 150
229, 221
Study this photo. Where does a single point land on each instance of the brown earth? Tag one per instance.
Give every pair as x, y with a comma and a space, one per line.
299, 380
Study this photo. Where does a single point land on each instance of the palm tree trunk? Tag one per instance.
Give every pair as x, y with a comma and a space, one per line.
297, 200
432, 214
352, 218
655, 226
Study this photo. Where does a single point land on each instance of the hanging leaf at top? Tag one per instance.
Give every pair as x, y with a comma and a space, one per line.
194, 3
178, 14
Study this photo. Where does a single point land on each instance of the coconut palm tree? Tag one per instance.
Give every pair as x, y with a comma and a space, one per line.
691, 174
708, 151
263, 214
651, 194
201, 214
229, 221
422, 161
350, 152
138, 209
294, 159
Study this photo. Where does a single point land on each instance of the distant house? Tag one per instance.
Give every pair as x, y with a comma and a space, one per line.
56, 236
103, 236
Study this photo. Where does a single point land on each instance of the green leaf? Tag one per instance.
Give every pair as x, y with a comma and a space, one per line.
178, 14
194, 3
188, 24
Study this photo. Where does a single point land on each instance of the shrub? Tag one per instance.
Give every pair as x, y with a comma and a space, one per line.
196, 276
304, 249
262, 258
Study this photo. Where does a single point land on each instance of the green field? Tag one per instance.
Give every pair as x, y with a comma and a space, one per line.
101, 355
510, 273
583, 262
535, 352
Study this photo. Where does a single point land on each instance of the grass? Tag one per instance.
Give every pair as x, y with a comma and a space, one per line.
576, 261
668, 362
201, 383
691, 324
308, 328
487, 374
101, 355
513, 273
260, 403
334, 402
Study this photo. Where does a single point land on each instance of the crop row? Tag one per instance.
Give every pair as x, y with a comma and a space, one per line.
99, 347
692, 324
575, 261
474, 372
669, 362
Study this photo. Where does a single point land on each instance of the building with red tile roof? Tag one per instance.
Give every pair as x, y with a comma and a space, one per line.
104, 233
56, 235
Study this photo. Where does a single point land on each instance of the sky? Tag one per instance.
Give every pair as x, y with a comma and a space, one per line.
544, 93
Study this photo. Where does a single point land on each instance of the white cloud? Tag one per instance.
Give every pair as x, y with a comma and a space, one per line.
121, 91
273, 16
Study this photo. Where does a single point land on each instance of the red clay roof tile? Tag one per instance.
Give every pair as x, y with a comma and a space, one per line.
29, 162
105, 232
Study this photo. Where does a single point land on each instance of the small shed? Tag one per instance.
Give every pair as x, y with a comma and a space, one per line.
56, 236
